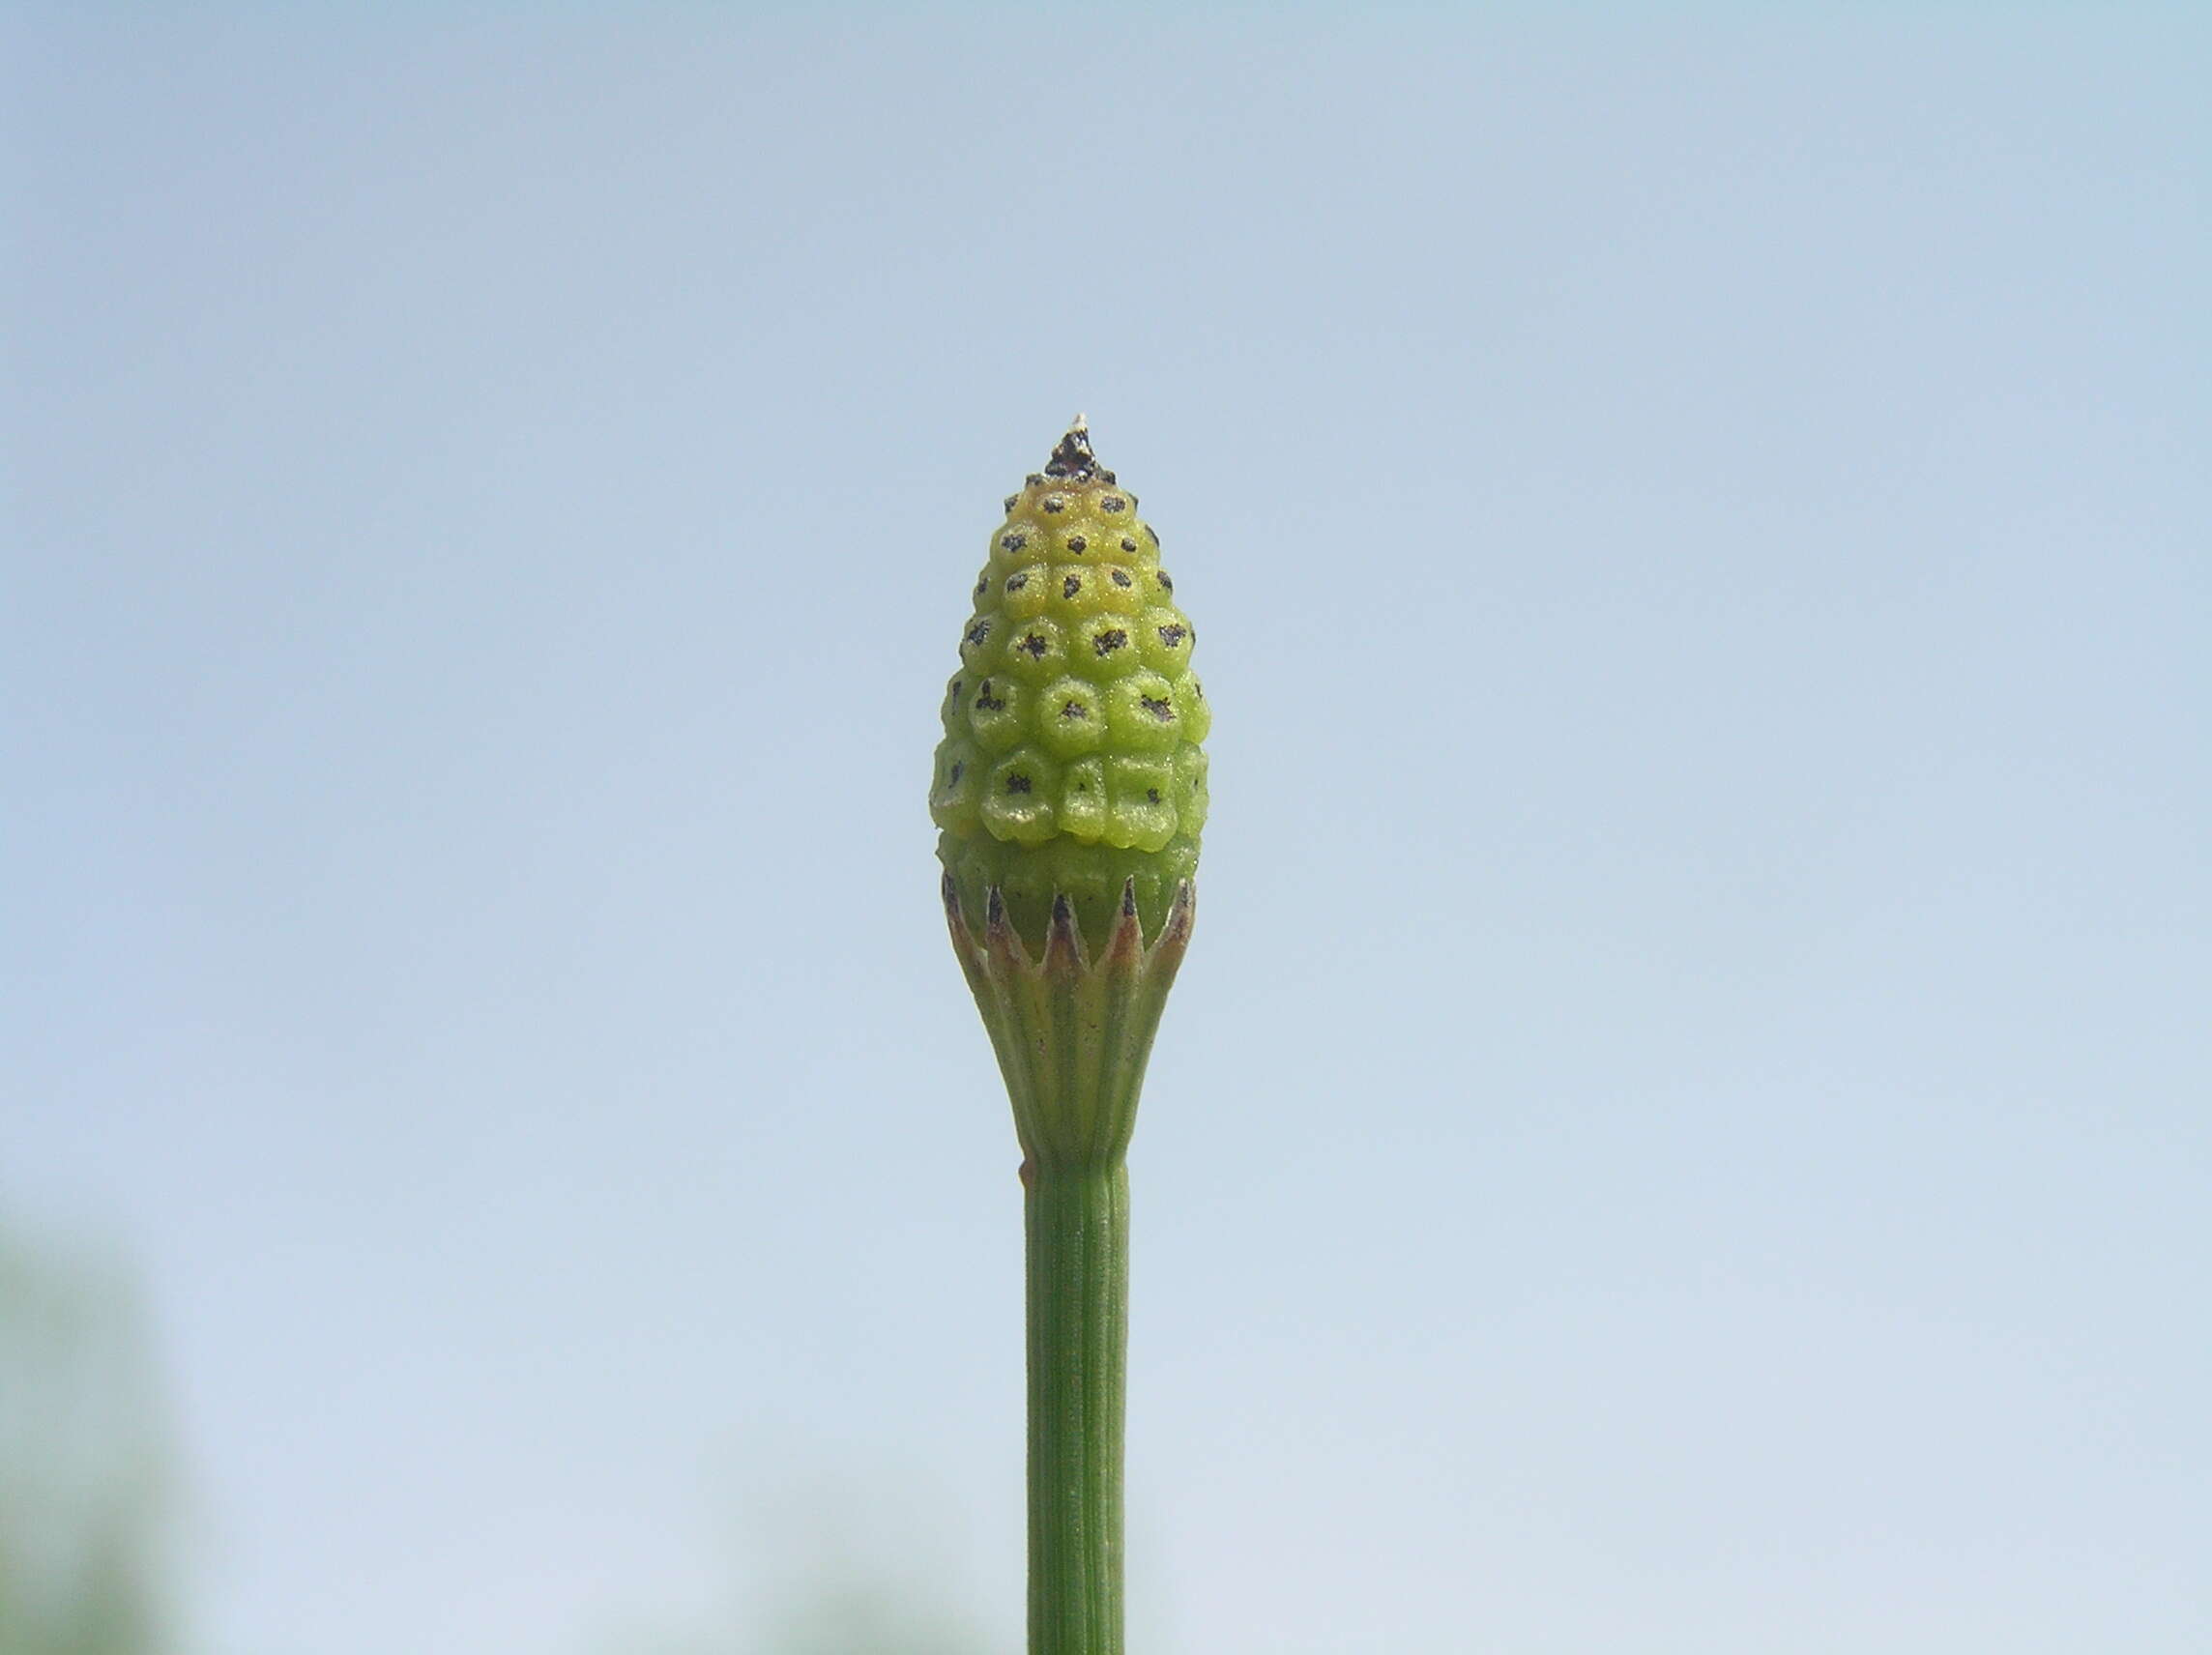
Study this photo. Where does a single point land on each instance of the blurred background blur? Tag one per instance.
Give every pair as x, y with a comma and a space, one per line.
1684, 1129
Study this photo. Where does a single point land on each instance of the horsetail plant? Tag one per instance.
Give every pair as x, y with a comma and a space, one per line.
1069, 791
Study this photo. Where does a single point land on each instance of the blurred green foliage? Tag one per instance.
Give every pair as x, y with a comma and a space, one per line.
860, 1619
86, 1501
83, 1476
823, 1563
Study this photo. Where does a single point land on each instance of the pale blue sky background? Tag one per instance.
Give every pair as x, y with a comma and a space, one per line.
1685, 1126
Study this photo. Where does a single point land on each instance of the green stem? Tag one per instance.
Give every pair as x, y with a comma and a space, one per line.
1072, 1030
1077, 1220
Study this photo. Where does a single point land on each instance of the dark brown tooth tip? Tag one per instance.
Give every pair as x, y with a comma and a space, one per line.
1064, 940
1129, 897
1176, 933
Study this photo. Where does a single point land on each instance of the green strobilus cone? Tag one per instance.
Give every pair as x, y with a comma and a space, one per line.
1070, 790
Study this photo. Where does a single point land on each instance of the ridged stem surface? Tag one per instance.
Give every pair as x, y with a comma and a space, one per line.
1073, 1034
1077, 1223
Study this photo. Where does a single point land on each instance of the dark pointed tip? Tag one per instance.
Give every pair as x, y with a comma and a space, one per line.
1126, 946
1184, 911
1064, 940
1073, 458
1175, 934
995, 907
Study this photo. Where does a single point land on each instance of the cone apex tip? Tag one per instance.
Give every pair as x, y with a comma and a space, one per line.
1072, 459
